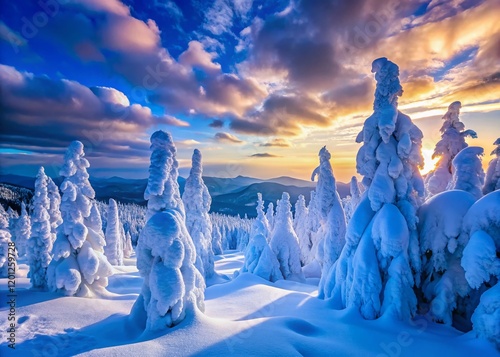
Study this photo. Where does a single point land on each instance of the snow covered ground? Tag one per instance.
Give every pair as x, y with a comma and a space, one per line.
247, 316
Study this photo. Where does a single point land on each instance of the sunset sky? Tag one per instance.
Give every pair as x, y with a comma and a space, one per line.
258, 86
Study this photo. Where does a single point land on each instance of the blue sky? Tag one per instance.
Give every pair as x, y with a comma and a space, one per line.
259, 87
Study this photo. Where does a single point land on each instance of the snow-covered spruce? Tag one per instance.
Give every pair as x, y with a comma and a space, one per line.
492, 181
313, 225
55, 204
301, 228
481, 262
452, 141
270, 216
114, 240
197, 202
22, 231
260, 224
128, 250
374, 271
443, 279
284, 242
78, 266
468, 173
42, 237
165, 252
351, 202
5, 243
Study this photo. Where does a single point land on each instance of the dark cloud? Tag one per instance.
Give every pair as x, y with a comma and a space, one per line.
264, 155
216, 123
227, 138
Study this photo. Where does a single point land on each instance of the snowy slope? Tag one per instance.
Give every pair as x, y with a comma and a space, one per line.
244, 317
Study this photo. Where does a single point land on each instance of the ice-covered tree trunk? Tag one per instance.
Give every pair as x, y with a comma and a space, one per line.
481, 262
54, 207
5, 244
114, 241
492, 181
468, 173
284, 242
22, 231
42, 237
374, 271
197, 202
165, 252
270, 216
443, 279
301, 228
452, 141
79, 266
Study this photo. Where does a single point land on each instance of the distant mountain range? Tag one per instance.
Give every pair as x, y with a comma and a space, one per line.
231, 196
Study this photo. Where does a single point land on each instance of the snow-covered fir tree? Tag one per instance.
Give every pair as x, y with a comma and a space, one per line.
452, 141
197, 202
128, 250
443, 279
374, 271
351, 202
22, 231
5, 243
260, 224
79, 266
492, 181
481, 262
270, 216
313, 226
12, 216
165, 252
42, 237
301, 228
55, 204
114, 240
284, 242
468, 173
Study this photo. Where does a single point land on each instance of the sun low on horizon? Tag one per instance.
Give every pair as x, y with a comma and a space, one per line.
258, 87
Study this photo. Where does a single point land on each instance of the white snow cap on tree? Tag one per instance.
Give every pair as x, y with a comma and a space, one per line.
260, 224
114, 241
300, 225
374, 271
165, 252
270, 215
284, 242
492, 181
352, 201
468, 173
452, 141
5, 243
79, 266
42, 237
55, 203
197, 202
22, 231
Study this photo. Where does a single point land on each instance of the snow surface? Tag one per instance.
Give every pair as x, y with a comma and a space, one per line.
247, 316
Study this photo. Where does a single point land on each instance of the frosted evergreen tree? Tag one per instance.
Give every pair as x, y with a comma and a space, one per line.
55, 204
263, 226
42, 237
468, 173
165, 252
114, 241
128, 250
481, 262
197, 202
452, 141
492, 181
352, 201
5, 243
284, 242
270, 216
216, 240
22, 231
78, 266
313, 225
12, 216
443, 279
374, 271
301, 229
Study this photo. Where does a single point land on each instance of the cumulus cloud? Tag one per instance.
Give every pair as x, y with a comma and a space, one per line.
227, 138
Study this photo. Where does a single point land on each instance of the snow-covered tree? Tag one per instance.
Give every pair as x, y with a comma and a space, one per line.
374, 271
5, 243
165, 252
22, 231
352, 201
481, 262
197, 202
443, 279
79, 266
313, 226
55, 203
468, 173
301, 228
128, 250
260, 224
12, 216
452, 141
42, 237
284, 242
270, 216
114, 241
492, 181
